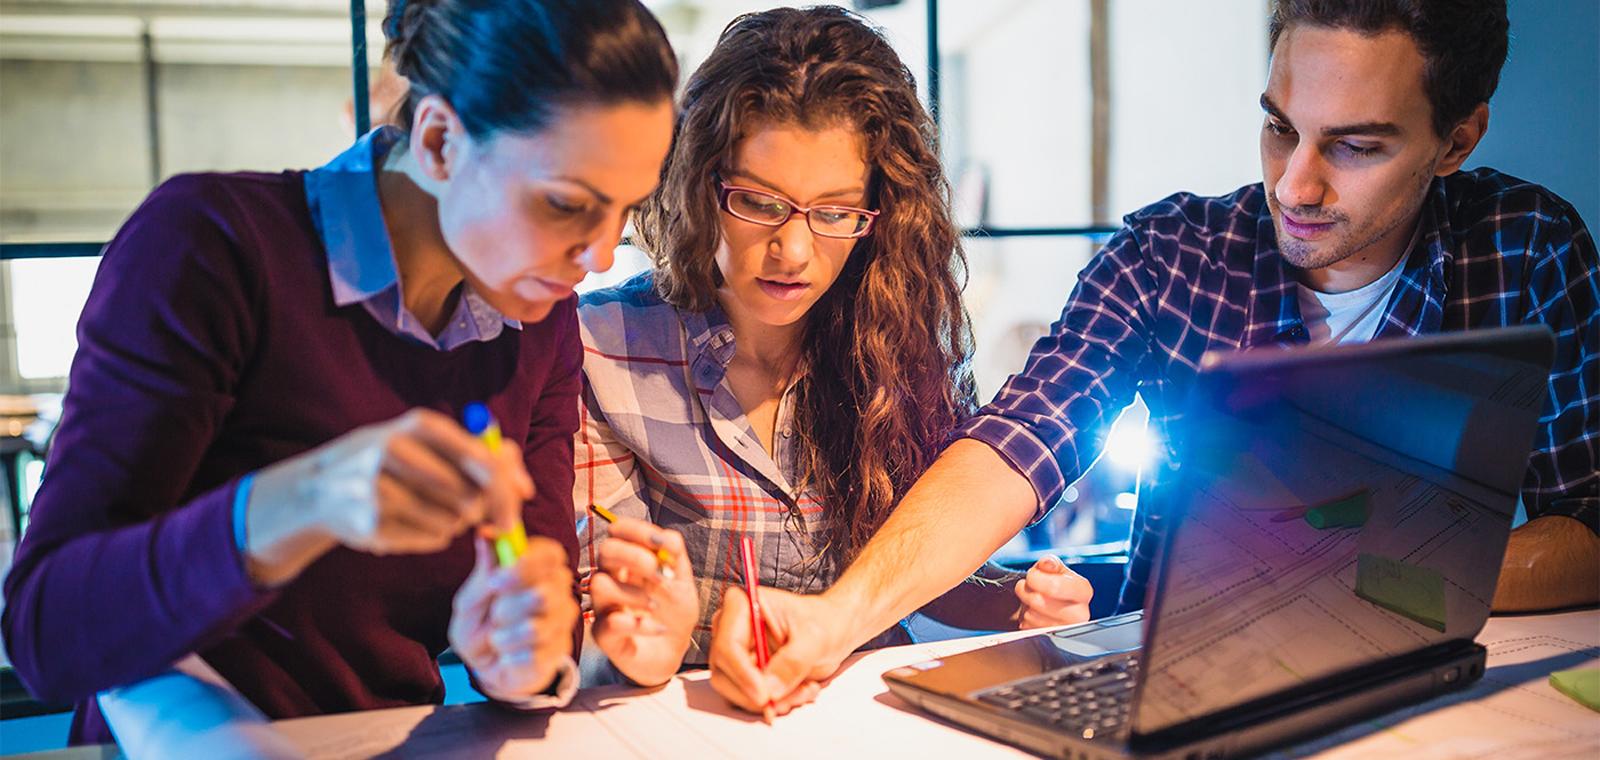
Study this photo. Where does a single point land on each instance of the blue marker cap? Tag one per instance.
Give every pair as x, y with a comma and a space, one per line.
476, 417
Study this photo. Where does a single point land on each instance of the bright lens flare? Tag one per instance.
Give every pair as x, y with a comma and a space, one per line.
1131, 447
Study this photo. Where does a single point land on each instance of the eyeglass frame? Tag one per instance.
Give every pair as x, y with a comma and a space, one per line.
724, 189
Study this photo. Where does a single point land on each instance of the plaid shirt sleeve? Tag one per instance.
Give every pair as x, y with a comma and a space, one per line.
607, 475
1563, 292
1050, 421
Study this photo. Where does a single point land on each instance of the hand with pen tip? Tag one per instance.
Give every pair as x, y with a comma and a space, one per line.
413, 485
645, 605
801, 661
409, 485
512, 620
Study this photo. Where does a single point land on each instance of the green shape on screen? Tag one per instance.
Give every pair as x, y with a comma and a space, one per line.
1411, 590
1582, 685
1349, 512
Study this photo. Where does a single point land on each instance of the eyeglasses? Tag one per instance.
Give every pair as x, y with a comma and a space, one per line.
770, 210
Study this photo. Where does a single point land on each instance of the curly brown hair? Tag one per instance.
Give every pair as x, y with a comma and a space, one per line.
888, 348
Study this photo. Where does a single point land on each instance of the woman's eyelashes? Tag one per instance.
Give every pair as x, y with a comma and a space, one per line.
566, 206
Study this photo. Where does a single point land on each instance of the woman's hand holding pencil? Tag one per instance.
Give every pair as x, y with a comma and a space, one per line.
780, 684
511, 621
409, 485
645, 605
512, 626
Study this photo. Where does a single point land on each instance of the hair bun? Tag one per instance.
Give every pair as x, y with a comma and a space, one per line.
391, 22
508, 63
400, 28
402, 19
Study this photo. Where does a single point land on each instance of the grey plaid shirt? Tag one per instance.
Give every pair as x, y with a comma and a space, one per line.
662, 438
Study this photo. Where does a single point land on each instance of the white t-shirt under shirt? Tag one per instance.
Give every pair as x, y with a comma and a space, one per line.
1349, 317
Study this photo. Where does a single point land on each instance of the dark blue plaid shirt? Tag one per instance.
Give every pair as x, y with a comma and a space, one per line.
1190, 274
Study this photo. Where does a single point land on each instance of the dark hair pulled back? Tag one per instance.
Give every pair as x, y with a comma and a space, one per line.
510, 64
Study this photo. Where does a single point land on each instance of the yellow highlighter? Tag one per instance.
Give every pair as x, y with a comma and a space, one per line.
664, 558
510, 545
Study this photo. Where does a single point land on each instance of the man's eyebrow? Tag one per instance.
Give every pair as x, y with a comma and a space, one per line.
1373, 128
1272, 109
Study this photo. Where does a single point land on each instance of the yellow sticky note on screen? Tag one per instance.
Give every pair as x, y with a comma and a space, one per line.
1411, 590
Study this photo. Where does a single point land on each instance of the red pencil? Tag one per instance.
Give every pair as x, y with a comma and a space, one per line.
758, 628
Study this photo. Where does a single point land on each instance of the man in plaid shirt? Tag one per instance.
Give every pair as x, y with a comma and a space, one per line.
1364, 228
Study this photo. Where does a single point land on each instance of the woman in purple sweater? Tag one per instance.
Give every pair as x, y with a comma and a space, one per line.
258, 460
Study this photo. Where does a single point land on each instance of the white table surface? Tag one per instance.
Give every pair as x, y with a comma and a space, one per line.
1511, 714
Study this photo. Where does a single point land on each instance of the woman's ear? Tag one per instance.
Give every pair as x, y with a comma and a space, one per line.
438, 138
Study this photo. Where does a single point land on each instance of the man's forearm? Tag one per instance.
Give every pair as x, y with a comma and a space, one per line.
968, 504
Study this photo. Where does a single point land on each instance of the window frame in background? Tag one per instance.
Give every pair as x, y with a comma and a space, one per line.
1096, 232
14, 698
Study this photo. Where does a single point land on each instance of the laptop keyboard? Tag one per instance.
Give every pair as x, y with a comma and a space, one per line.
1090, 699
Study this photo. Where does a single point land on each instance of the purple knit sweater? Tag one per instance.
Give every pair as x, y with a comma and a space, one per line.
210, 347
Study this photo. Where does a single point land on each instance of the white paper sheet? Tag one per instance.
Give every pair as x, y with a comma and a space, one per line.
190, 711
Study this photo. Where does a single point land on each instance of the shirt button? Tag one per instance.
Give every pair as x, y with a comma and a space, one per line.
787, 432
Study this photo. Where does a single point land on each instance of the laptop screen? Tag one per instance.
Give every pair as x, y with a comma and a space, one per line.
1333, 508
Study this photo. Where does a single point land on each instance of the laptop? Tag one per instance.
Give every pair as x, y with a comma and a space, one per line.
1330, 536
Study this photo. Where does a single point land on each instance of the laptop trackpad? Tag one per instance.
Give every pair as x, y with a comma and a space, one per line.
1087, 643
1025, 658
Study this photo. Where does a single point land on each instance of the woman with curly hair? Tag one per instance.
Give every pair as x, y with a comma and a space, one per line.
797, 356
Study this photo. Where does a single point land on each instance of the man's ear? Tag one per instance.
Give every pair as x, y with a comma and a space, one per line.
1463, 139
438, 138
